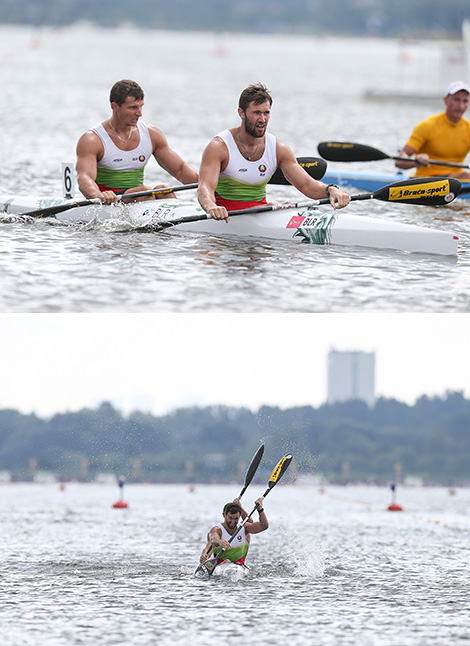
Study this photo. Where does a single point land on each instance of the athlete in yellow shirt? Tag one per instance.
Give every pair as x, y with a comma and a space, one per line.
442, 137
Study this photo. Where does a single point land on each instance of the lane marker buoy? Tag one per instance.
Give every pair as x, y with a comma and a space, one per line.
120, 504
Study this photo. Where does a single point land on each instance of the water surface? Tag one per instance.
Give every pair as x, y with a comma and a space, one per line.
334, 567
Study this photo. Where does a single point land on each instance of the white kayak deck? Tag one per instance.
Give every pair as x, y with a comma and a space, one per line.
295, 225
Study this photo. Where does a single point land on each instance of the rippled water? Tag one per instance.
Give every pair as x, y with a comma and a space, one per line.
334, 567
55, 85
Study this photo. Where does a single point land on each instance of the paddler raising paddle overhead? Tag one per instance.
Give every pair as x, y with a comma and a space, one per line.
442, 137
238, 163
111, 157
219, 535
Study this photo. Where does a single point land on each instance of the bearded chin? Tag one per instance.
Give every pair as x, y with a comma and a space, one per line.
251, 131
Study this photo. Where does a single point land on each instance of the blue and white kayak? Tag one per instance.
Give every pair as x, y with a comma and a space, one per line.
369, 181
299, 224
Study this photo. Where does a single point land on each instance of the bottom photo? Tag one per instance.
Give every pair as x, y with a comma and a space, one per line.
188, 479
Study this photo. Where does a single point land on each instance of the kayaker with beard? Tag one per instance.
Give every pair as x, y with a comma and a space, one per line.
238, 163
218, 537
111, 157
441, 137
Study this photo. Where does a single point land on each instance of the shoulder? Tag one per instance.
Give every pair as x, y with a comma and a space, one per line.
89, 142
216, 148
219, 140
435, 121
465, 123
156, 136
284, 152
430, 121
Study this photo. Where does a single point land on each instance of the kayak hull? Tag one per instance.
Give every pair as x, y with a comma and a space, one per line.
232, 571
307, 225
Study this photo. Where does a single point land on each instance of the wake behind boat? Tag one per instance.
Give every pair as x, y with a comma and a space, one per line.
298, 224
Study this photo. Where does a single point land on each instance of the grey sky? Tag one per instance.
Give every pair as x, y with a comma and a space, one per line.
53, 363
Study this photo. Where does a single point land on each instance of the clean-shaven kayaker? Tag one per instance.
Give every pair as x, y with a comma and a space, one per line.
111, 157
238, 163
441, 137
219, 535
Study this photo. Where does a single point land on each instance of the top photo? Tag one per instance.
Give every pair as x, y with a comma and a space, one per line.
212, 159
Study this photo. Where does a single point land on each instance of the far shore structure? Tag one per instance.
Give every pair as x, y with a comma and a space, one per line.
351, 376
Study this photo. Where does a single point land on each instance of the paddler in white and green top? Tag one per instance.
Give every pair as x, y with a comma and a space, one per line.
238, 163
219, 535
111, 157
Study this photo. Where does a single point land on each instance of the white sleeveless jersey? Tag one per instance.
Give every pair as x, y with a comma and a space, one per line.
239, 545
246, 180
239, 538
120, 169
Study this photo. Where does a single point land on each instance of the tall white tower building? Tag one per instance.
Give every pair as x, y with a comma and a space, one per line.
351, 375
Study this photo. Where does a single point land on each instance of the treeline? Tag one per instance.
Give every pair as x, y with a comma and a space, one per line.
420, 18
342, 442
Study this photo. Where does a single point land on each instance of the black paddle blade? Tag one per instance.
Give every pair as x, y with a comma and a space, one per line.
431, 191
254, 464
58, 208
314, 166
206, 568
348, 152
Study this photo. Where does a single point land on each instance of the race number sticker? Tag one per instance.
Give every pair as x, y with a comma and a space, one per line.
68, 179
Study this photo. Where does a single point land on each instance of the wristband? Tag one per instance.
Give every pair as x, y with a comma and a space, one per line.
260, 511
328, 189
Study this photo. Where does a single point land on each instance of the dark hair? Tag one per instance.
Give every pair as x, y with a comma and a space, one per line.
256, 93
232, 508
122, 89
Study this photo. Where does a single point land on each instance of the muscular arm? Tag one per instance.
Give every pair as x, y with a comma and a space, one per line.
89, 151
214, 160
215, 538
205, 552
257, 526
169, 160
298, 177
244, 513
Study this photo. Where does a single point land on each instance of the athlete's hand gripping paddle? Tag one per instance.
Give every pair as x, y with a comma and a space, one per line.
208, 567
